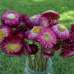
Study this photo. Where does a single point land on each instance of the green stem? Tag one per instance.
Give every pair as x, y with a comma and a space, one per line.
37, 62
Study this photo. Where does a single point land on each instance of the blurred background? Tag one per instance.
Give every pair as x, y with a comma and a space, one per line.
16, 65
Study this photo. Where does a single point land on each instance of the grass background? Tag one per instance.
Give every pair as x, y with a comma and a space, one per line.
15, 65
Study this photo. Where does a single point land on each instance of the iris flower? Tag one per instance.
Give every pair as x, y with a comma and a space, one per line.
36, 19
11, 18
68, 44
68, 48
47, 38
50, 17
61, 31
12, 46
26, 21
51, 14
4, 32
32, 34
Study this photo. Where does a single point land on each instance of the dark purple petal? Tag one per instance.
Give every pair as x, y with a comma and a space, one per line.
50, 18
68, 48
72, 28
50, 14
30, 48
27, 21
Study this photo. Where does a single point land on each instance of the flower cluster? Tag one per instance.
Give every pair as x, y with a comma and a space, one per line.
68, 44
21, 34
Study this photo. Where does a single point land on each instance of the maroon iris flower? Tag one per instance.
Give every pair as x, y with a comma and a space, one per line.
12, 46
61, 32
50, 17
51, 14
68, 48
19, 33
36, 19
47, 38
4, 32
68, 45
26, 21
11, 18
